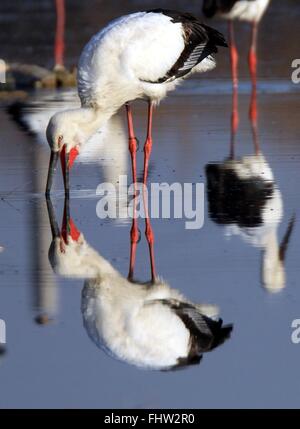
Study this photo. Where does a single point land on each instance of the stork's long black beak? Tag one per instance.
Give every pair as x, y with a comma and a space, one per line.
52, 168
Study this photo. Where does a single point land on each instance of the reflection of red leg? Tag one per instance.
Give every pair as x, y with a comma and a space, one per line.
253, 119
234, 72
234, 121
132, 141
60, 32
149, 234
150, 239
148, 143
253, 73
134, 238
68, 228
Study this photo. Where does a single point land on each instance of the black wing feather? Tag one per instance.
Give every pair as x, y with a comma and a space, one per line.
206, 333
200, 42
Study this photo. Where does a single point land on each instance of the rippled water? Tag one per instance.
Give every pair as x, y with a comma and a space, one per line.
247, 247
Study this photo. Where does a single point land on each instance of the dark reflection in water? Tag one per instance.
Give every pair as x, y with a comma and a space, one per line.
44, 284
243, 196
149, 325
2, 350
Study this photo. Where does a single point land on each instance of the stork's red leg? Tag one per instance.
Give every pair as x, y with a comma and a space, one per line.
60, 33
148, 143
132, 143
234, 72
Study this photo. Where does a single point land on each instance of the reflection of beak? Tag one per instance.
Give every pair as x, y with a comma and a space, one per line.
68, 228
286, 239
53, 223
42, 319
274, 279
52, 167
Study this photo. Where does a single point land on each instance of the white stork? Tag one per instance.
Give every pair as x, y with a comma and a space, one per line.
141, 55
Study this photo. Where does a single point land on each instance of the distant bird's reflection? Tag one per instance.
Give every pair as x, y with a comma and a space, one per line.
243, 195
149, 325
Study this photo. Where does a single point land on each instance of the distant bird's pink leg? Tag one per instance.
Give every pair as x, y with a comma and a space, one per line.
252, 55
148, 143
234, 71
60, 33
234, 56
132, 141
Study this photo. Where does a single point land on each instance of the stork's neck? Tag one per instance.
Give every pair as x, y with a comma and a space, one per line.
82, 123
91, 119
79, 259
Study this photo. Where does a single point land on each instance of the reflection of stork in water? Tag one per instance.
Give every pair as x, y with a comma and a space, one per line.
148, 325
32, 117
243, 195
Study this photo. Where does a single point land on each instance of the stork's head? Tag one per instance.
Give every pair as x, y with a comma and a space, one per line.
64, 130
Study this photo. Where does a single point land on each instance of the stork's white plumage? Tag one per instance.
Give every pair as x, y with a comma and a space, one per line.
147, 325
142, 55
132, 58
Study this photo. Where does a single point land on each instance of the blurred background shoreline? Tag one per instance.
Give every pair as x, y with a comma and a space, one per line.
28, 30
